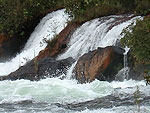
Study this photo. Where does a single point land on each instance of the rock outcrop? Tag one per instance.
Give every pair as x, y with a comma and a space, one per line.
101, 64
108, 102
36, 70
60, 43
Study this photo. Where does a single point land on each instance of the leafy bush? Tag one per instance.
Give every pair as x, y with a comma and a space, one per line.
138, 39
83, 10
14, 13
143, 7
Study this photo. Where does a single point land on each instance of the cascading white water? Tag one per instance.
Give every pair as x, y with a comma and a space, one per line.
126, 68
92, 34
125, 56
49, 26
124, 72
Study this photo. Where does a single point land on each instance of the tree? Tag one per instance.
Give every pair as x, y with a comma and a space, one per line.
138, 39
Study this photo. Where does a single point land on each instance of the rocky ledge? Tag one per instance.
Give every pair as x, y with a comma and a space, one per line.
110, 101
36, 70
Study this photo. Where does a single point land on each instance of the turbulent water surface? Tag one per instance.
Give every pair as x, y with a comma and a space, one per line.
24, 96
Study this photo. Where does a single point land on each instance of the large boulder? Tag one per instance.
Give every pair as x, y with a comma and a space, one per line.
36, 70
101, 64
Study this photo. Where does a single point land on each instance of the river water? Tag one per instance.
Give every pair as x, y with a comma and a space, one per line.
24, 96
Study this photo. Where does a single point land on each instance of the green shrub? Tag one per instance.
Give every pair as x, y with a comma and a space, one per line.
14, 13
83, 10
143, 7
138, 39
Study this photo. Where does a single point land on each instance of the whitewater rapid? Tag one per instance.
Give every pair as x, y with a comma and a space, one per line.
18, 94
51, 25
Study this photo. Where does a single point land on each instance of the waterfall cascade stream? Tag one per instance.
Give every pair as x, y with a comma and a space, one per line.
126, 68
125, 56
24, 96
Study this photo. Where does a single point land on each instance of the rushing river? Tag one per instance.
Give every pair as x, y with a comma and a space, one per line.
24, 96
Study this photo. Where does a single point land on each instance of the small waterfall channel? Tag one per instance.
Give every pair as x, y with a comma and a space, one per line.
123, 73
126, 68
125, 56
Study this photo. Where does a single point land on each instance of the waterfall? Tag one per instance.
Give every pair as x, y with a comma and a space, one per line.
24, 96
96, 33
126, 68
124, 72
49, 26
125, 56
93, 34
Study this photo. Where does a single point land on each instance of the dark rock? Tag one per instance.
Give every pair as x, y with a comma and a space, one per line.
101, 64
106, 102
36, 70
138, 72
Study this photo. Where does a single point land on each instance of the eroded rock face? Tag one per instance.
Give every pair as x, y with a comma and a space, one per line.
101, 64
36, 70
61, 42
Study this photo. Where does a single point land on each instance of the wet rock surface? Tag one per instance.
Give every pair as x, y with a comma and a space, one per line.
109, 101
61, 42
36, 70
101, 64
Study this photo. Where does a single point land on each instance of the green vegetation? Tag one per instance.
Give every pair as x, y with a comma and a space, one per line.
15, 13
83, 10
137, 96
138, 39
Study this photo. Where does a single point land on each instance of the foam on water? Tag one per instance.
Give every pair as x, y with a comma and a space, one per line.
49, 26
56, 90
52, 90
122, 109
